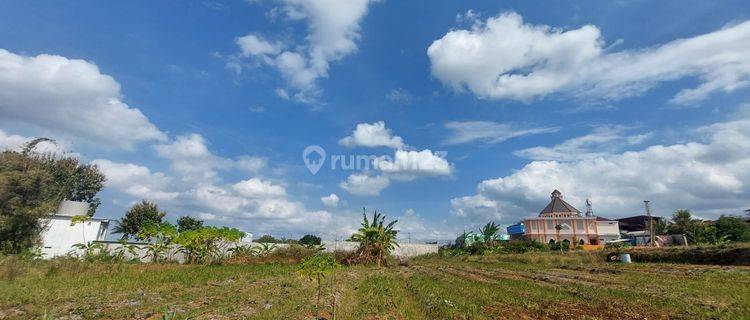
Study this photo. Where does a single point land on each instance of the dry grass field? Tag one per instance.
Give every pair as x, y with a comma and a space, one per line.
511, 286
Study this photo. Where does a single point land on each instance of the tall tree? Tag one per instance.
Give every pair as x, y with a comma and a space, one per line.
140, 215
32, 184
187, 223
681, 222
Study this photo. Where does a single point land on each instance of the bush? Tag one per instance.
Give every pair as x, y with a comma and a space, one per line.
720, 255
523, 246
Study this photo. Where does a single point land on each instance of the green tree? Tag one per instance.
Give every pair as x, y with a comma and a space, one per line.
309, 240
138, 216
267, 239
376, 239
32, 184
187, 223
681, 222
733, 228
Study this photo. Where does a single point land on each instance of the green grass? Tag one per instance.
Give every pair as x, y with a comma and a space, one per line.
528, 286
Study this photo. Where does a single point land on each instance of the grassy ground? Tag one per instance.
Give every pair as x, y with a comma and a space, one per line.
529, 286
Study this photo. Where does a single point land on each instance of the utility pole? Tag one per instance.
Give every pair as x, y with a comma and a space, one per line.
409, 233
650, 222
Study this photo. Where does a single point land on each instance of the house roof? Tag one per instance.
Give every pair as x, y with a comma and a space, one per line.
557, 204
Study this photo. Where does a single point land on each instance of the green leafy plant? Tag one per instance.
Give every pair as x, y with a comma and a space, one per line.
160, 237
376, 239
264, 249
489, 231
207, 244
316, 268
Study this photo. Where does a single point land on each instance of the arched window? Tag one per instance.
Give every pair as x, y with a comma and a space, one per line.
551, 241
581, 242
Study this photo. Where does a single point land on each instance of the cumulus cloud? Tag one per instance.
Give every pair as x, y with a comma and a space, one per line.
372, 135
331, 200
189, 155
136, 181
257, 188
602, 141
487, 131
333, 29
364, 184
16, 142
708, 175
70, 97
11, 141
254, 45
408, 165
505, 58
415, 228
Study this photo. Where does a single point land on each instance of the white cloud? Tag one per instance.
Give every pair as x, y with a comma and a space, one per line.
253, 45
710, 176
70, 97
602, 141
251, 164
16, 142
407, 165
11, 141
372, 135
331, 200
364, 184
490, 132
256, 188
414, 227
190, 156
401, 95
504, 58
333, 28
136, 181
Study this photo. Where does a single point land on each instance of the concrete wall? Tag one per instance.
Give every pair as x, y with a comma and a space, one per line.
404, 249
58, 237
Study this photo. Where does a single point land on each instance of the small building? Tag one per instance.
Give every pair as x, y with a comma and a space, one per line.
637, 223
59, 235
561, 222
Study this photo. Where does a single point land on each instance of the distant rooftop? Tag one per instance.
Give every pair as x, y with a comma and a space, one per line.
558, 205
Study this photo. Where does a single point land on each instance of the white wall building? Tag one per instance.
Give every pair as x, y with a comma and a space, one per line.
59, 236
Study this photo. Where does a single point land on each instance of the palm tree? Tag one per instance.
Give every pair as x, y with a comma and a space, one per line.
489, 231
376, 239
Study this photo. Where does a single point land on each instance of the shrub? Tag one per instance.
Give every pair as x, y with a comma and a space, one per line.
523, 246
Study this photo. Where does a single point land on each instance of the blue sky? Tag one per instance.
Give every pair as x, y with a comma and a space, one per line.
206, 106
